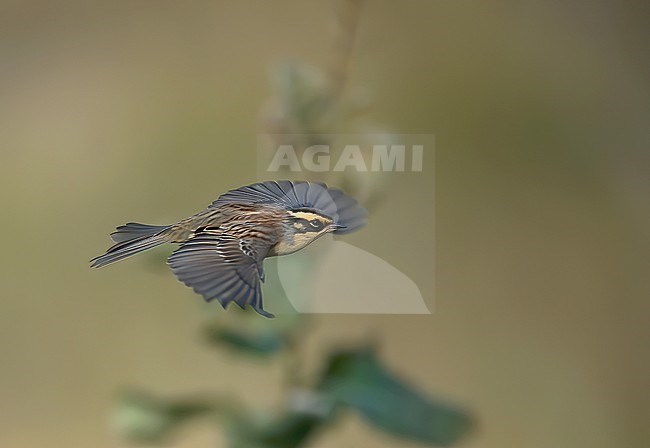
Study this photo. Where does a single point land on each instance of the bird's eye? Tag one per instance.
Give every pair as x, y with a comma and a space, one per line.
316, 224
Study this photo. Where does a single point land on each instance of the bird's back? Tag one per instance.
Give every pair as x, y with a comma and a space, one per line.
227, 216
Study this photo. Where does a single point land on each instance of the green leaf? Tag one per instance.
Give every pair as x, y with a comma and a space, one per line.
249, 334
290, 430
261, 343
357, 379
306, 99
292, 427
141, 417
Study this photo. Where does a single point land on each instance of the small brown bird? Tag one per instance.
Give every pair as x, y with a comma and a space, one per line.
223, 247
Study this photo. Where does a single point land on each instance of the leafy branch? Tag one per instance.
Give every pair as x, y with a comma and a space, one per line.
352, 380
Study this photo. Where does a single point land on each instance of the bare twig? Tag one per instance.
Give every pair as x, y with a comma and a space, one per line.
347, 18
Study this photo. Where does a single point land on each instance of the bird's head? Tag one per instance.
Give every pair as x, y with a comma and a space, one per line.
309, 210
303, 226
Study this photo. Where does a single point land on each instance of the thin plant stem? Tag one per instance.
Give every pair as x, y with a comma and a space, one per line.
346, 24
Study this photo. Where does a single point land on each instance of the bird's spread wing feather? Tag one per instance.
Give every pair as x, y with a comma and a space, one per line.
293, 195
221, 266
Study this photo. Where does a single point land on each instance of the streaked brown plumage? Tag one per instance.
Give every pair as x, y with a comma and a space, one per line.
223, 247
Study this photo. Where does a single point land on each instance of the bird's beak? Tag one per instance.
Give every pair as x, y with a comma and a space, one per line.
335, 227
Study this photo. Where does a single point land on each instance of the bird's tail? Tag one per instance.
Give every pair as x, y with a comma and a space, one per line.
131, 239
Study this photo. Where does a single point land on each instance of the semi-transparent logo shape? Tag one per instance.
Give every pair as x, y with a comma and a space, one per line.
386, 267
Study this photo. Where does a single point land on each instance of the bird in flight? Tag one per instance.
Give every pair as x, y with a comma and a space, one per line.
224, 246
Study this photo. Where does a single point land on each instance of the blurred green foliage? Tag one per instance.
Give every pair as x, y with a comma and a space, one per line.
358, 380
261, 344
352, 379
290, 429
142, 417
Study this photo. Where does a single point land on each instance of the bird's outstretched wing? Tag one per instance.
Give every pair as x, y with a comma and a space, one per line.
292, 195
220, 266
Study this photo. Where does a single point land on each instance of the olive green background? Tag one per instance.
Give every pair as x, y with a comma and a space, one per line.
146, 111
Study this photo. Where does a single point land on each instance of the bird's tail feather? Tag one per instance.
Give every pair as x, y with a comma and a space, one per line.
131, 239
133, 230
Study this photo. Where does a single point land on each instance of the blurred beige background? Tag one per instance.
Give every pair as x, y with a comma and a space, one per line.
118, 111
